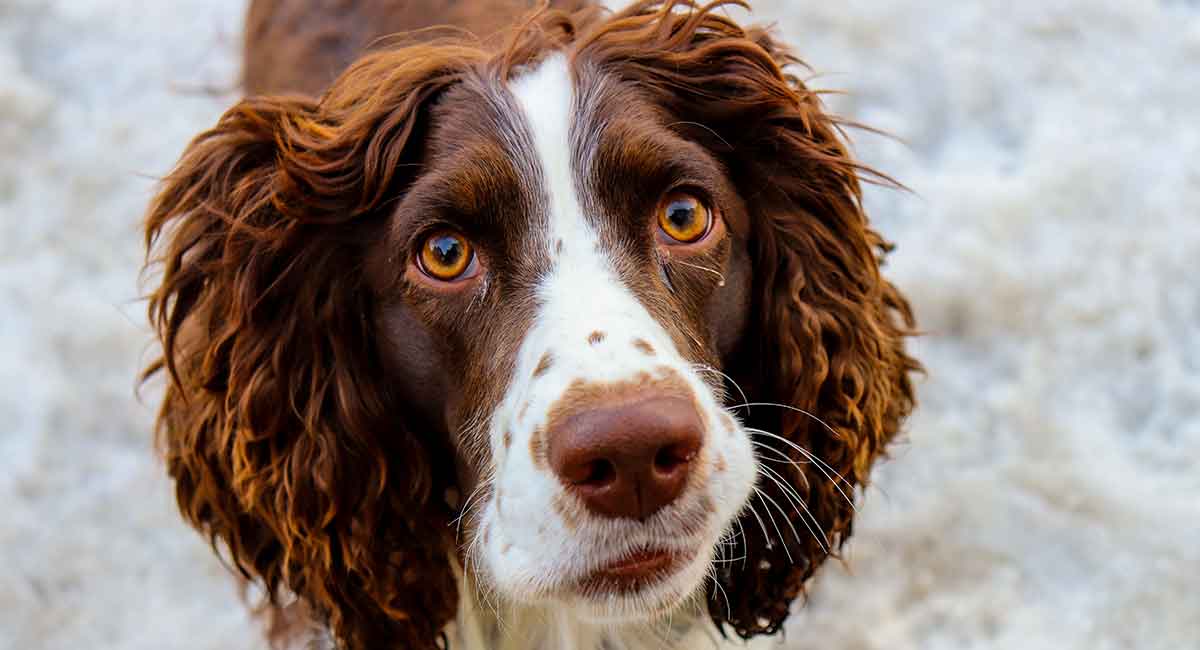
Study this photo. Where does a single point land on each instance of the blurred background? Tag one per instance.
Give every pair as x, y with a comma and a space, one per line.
1046, 493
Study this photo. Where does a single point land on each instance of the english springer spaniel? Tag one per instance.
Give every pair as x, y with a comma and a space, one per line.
566, 335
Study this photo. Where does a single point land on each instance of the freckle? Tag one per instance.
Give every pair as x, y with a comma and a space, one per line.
558, 247
507, 439
596, 337
524, 410
537, 448
643, 347
543, 365
720, 464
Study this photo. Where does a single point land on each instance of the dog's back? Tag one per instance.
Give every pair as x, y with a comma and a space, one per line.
300, 46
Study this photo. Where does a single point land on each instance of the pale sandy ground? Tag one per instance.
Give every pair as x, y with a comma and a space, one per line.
1048, 494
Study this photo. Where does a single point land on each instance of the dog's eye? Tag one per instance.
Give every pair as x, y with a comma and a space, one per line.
446, 256
683, 218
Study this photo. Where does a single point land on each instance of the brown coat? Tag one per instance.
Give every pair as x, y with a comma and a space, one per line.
300, 46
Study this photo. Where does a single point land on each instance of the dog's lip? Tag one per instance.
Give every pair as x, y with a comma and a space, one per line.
635, 571
639, 565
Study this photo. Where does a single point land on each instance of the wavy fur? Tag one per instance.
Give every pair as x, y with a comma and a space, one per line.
286, 444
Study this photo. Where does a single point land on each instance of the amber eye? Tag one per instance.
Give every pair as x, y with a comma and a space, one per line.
446, 255
683, 218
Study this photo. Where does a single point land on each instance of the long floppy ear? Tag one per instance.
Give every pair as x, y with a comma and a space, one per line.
286, 445
827, 333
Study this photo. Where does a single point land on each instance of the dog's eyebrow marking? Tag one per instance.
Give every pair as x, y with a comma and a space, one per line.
543, 364
596, 337
643, 346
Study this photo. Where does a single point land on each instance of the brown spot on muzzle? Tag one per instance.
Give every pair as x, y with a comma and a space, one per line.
543, 365
596, 337
643, 347
537, 447
582, 395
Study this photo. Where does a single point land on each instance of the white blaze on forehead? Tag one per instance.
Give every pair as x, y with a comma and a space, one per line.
582, 293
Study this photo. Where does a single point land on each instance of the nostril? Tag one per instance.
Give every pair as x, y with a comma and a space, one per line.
672, 457
600, 473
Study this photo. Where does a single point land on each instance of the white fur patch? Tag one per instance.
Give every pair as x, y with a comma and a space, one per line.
531, 555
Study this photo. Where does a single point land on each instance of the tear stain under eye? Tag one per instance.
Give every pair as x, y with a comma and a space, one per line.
664, 275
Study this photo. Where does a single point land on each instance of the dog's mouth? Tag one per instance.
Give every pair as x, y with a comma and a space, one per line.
638, 571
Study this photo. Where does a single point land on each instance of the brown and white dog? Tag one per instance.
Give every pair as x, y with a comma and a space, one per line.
573, 336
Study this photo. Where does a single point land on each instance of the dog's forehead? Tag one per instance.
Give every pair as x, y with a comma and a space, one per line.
508, 160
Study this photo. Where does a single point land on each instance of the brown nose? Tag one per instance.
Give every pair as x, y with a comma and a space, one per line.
628, 460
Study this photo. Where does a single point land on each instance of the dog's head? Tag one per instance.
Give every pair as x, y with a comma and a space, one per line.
598, 317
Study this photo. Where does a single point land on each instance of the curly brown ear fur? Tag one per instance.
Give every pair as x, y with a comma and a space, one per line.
283, 440
828, 334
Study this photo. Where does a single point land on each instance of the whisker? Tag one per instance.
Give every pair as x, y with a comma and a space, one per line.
782, 540
789, 407
742, 532
720, 283
457, 523
728, 605
816, 461
766, 535
706, 128
781, 510
704, 367
801, 510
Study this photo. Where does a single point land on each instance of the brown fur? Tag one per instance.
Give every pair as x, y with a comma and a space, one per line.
300, 46
290, 441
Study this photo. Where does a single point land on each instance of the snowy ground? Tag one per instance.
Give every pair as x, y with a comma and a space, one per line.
1048, 495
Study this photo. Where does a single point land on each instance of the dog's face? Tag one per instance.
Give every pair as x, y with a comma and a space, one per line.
561, 286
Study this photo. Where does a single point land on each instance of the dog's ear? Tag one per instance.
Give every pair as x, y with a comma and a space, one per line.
286, 444
826, 339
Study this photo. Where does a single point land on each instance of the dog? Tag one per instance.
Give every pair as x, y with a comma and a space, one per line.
556, 331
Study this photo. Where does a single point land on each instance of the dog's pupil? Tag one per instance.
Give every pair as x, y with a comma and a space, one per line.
681, 214
446, 249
